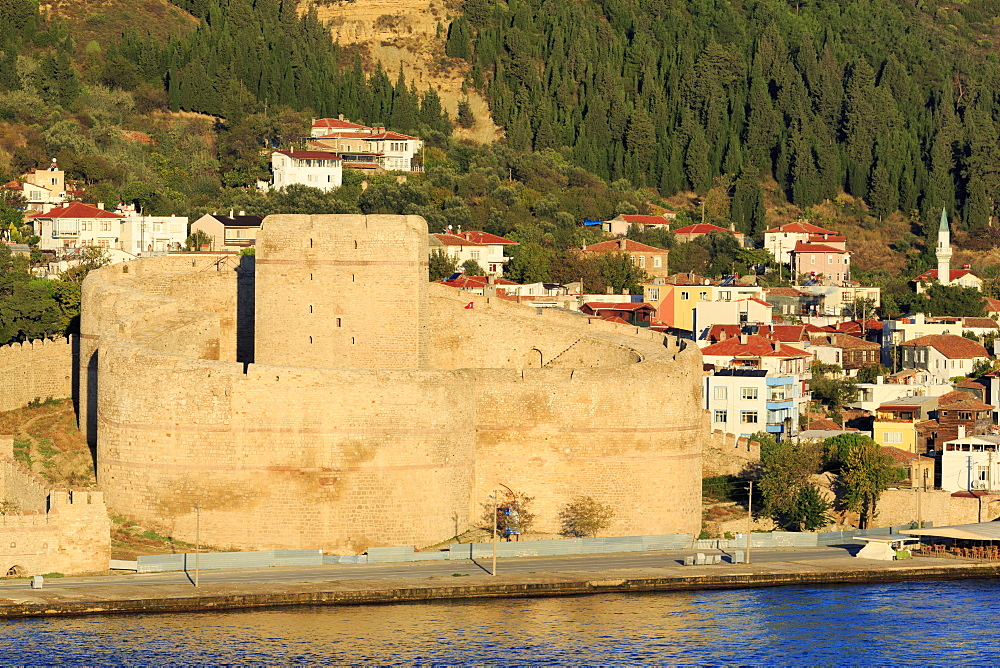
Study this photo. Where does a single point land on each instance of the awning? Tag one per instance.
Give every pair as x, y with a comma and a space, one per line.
978, 531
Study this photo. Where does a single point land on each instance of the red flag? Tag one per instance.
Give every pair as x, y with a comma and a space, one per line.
470, 305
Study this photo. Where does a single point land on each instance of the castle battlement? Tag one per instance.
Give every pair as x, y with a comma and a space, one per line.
363, 392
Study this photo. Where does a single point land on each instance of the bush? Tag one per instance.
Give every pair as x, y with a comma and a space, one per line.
512, 513
584, 516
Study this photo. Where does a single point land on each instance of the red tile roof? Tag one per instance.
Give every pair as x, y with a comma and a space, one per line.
826, 425
78, 210
703, 228
455, 240
311, 155
615, 319
932, 273
485, 238
630, 247
786, 333
950, 345
645, 220
803, 247
388, 135
989, 323
618, 306
722, 332
845, 341
826, 237
962, 401
900, 456
783, 292
473, 282
756, 346
337, 124
800, 227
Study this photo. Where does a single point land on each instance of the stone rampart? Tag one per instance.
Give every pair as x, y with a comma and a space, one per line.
35, 370
899, 506
551, 404
728, 454
49, 531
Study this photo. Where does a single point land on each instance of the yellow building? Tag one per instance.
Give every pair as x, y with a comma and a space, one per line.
903, 423
675, 303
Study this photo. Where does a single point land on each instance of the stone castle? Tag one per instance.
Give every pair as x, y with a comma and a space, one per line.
325, 394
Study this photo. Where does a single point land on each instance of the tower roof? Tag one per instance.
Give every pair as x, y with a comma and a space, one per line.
943, 227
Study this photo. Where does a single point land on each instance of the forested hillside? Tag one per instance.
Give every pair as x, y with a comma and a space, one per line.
866, 117
893, 101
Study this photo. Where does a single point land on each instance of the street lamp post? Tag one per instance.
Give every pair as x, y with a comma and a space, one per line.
493, 571
197, 542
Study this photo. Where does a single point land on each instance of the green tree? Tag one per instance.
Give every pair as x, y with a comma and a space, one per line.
809, 510
868, 471
440, 264
870, 372
466, 118
621, 274
473, 268
584, 516
785, 469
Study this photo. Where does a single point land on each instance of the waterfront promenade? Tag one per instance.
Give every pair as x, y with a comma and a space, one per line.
345, 585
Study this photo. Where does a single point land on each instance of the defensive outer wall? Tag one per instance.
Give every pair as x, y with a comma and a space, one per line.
330, 397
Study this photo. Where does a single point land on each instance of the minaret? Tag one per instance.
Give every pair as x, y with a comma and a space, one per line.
944, 250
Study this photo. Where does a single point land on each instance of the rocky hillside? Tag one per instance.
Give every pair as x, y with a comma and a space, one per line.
410, 34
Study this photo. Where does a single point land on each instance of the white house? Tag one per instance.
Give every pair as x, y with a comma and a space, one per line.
873, 395
944, 356
363, 147
749, 351
780, 241
77, 224
485, 248
970, 463
141, 235
745, 401
316, 169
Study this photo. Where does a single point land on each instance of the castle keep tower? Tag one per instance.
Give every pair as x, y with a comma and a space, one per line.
944, 250
349, 294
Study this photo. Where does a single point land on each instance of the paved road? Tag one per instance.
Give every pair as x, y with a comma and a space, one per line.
426, 569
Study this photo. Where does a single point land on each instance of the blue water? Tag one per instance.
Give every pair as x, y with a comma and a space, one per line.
941, 623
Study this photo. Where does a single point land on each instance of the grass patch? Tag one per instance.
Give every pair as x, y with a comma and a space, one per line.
53, 575
459, 575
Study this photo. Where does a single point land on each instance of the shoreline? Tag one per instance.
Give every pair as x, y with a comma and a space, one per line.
129, 598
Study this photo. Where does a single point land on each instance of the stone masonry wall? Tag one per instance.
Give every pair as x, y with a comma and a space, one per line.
899, 506
49, 531
342, 292
38, 369
26, 492
343, 459
728, 454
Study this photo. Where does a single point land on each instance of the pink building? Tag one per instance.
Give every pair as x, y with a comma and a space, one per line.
816, 259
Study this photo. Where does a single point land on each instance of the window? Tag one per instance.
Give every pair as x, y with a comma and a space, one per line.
642, 261
781, 392
657, 261
685, 295
829, 259
893, 437
106, 226
725, 295
653, 294
812, 259
703, 296
749, 393
719, 392
748, 417
475, 255
720, 416
964, 415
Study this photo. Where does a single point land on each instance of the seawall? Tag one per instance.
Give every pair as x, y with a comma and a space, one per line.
101, 600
